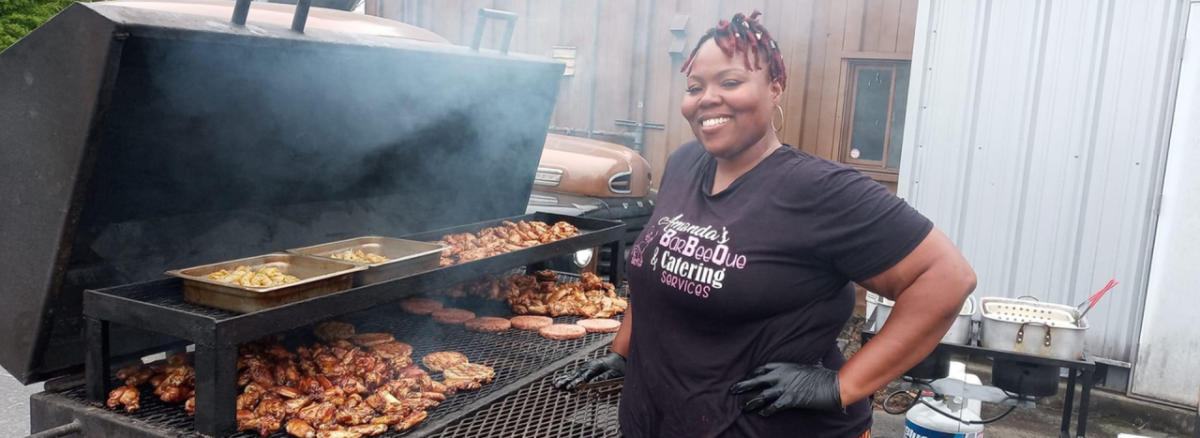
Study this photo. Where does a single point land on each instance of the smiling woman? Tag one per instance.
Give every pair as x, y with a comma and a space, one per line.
753, 250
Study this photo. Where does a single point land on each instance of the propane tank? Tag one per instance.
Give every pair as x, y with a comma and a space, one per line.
923, 422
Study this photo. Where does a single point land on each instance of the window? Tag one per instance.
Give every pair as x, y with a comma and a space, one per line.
874, 127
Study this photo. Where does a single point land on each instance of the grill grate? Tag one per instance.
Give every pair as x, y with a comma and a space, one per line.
514, 354
539, 410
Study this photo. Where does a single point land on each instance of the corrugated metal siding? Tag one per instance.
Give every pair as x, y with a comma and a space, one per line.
1038, 142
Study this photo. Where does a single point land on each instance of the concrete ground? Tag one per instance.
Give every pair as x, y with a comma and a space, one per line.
1023, 423
14, 405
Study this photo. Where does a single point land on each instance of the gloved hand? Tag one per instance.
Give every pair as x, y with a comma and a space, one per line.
792, 386
610, 366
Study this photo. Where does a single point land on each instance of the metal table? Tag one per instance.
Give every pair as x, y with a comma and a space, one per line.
1086, 369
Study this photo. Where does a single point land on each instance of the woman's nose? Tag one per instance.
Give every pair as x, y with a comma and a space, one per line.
711, 97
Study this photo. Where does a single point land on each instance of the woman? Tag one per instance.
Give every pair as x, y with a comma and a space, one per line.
747, 278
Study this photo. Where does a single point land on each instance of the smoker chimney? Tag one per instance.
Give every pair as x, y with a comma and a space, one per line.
484, 15
240, 11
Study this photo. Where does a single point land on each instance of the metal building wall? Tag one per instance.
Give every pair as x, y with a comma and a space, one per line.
1038, 145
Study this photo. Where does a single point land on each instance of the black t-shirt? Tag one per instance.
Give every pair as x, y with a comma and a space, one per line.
758, 273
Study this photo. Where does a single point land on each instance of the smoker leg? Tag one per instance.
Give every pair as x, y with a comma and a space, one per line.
616, 266
97, 365
1084, 400
1068, 405
216, 389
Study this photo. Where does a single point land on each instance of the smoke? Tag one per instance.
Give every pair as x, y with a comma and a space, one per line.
220, 146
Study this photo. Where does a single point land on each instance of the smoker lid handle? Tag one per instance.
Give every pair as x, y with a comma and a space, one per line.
484, 15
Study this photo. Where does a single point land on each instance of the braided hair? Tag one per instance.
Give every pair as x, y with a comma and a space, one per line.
746, 35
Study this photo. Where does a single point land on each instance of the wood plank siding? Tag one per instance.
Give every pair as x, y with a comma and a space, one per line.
625, 45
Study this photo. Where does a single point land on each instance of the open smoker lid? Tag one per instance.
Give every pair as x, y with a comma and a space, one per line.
138, 141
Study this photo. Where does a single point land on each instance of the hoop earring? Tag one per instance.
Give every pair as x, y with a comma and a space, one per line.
782, 118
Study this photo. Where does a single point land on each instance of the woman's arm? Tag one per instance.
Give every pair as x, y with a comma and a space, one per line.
929, 287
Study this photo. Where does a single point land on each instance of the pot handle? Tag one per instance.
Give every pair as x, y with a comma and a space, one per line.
1046, 338
1029, 296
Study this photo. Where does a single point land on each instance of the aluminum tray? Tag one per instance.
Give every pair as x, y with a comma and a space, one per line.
317, 277
407, 257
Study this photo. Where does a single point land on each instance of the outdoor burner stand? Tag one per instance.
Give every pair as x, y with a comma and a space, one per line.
158, 306
1087, 369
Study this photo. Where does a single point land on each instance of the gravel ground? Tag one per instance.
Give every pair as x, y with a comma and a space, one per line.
14, 405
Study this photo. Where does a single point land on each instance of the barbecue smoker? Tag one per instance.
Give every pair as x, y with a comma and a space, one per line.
137, 141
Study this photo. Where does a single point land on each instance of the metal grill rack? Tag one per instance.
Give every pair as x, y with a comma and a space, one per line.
158, 306
539, 410
516, 355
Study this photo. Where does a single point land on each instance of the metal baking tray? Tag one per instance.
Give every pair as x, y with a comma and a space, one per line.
406, 257
317, 277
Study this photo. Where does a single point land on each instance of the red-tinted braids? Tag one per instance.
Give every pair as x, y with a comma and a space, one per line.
748, 36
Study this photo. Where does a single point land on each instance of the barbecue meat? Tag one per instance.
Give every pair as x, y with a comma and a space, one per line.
190, 406
127, 396
357, 255
470, 371
411, 420
508, 237
317, 414
331, 330
441, 360
300, 429
338, 434
462, 384
291, 407
369, 429
271, 405
173, 394
247, 401
539, 295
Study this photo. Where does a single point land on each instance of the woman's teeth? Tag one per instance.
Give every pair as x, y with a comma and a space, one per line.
714, 122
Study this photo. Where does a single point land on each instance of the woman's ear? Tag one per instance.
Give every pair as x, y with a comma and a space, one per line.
776, 90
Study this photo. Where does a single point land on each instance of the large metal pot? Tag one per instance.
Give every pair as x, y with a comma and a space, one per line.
959, 333
1031, 327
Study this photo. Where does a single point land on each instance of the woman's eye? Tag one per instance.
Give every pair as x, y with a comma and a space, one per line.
730, 84
693, 89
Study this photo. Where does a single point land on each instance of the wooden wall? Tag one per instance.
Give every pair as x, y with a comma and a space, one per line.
635, 73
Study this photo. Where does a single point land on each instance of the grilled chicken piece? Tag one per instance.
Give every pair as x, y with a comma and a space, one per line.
411, 420
265, 425
157, 380
369, 429
254, 388
385, 402
462, 384
388, 419
338, 434
300, 429
295, 405
127, 396
190, 406
272, 406
173, 394
248, 400
317, 413
355, 416
287, 391
350, 385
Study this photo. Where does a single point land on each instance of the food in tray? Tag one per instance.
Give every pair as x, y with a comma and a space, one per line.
372, 339
599, 325
470, 371
420, 306
531, 322
331, 330
439, 361
508, 237
267, 276
562, 332
590, 297
334, 389
487, 324
452, 316
357, 255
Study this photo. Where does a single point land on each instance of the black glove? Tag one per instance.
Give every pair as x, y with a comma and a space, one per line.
610, 366
792, 386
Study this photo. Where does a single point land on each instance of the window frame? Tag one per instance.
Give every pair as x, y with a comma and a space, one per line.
876, 169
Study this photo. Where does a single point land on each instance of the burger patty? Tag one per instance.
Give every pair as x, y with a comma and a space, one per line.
599, 325
420, 306
442, 360
531, 322
331, 330
389, 350
372, 339
470, 371
488, 324
562, 332
452, 316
